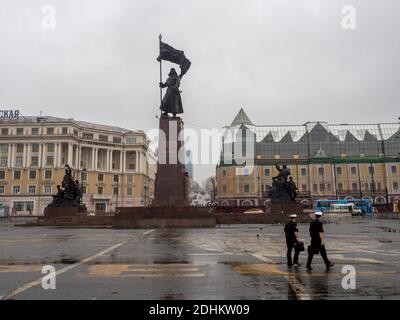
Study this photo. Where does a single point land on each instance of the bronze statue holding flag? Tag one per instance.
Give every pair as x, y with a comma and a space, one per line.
172, 102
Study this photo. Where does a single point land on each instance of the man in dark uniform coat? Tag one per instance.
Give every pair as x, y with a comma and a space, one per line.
291, 234
317, 242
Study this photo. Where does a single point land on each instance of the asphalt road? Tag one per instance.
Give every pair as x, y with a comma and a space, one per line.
230, 262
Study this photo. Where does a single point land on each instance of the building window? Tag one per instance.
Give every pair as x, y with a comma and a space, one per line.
371, 170
50, 147
129, 178
303, 172
354, 186
87, 136
32, 189
23, 205
49, 160
35, 161
20, 131
304, 187
100, 177
315, 187
322, 187
3, 161
129, 191
35, 147
103, 138
100, 190
2, 175
1, 189
224, 173
64, 130
4, 148
4, 131
116, 178
321, 171
48, 174
16, 189
328, 187
245, 171
246, 188
50, 130
379, 186
353, 170
17, 175
339, 171
340, 186
393, 169
224, 188
267, 172
35, 131
83, 189
131, 140
116, 191
32, 174
373, 186
19, 161
20, 147
47, 189
395, 186
84, 176
117, 140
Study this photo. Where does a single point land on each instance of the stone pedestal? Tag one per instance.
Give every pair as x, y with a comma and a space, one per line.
286, 208
172, 182
164, 217
53, 212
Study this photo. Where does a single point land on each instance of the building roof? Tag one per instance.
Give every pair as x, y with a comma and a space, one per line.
55, 120
241, 118
293, 133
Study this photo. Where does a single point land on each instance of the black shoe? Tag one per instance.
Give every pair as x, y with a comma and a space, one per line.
297, 264
331, 264
309, 268
290, 264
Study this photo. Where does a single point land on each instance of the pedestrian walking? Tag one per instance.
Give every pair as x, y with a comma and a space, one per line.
317, 242
292, 241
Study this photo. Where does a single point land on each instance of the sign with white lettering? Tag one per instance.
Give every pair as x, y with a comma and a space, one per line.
9, 114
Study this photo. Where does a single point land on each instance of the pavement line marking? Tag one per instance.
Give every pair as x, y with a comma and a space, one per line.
148, 232
298, 288
261, 257
34, 283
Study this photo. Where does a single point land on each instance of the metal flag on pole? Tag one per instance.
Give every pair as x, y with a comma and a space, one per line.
160, 37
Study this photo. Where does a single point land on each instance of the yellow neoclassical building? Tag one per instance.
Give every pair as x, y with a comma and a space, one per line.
113, 164
327, 161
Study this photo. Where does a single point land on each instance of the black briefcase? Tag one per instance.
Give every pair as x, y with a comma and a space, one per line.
299, 246
313, 250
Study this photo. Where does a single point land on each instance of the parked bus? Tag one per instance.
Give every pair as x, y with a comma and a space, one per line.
352, 206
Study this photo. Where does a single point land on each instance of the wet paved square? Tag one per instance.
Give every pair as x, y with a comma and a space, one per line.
230, 262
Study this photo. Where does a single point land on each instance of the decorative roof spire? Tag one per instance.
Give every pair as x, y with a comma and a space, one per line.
241, 118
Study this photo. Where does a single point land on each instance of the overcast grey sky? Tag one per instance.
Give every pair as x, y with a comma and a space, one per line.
284, 62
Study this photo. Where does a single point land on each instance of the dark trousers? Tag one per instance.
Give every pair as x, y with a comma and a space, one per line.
290, 246
322, 252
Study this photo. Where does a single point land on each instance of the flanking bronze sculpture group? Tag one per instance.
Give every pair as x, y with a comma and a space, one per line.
283, 187
68, 200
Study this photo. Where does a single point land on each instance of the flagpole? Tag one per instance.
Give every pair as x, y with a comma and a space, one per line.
160, 37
